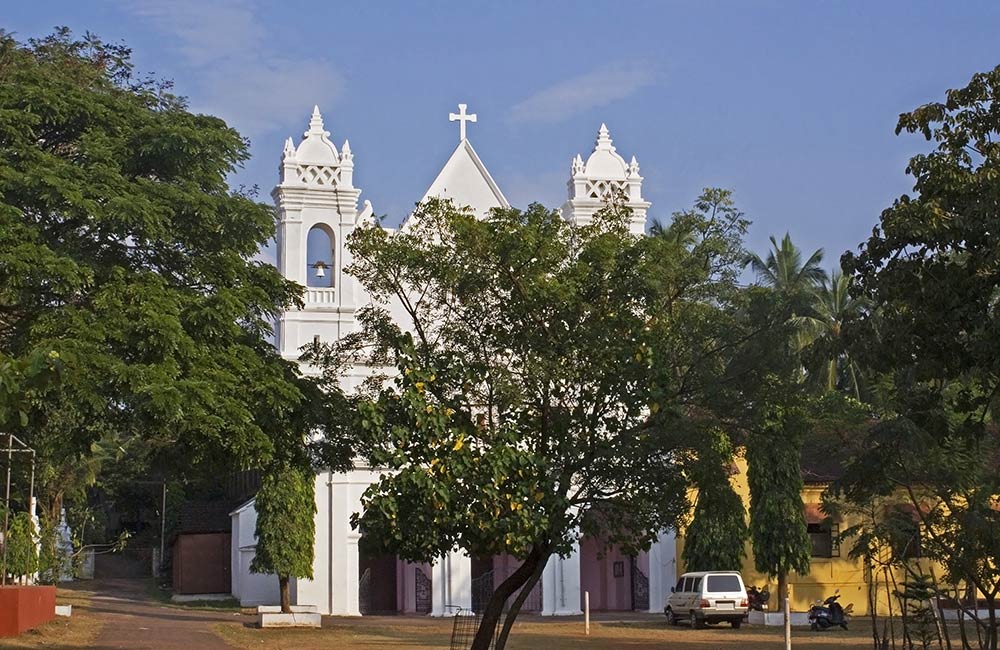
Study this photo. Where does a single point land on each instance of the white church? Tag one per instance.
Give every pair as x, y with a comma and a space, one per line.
318, 208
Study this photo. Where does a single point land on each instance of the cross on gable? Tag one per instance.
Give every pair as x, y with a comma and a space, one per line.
461, 117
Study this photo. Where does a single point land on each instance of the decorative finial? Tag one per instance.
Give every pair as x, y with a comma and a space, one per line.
316, 124
577, 165
633, 167
604, 138
289, 149
345, 151
462, 117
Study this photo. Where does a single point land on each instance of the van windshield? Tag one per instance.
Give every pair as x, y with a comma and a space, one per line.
717, 584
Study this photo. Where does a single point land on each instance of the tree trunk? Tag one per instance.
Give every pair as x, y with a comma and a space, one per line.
992, 611
49, 515
286, 598
515, 607
51, 507
494, 608
786, 607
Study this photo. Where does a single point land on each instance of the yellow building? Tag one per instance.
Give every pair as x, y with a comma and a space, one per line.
831, 568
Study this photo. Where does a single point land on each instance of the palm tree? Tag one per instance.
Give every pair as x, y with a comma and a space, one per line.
676, 232
784, 269
832, 305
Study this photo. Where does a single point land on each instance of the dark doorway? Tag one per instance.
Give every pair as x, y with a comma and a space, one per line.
376, 582
482, 582
640, 586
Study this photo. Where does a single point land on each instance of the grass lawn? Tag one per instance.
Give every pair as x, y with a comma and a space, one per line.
401, 633
77, 631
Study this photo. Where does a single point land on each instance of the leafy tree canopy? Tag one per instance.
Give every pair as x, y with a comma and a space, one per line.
716, 537
286, 527
124, 251
933, 345
543, 378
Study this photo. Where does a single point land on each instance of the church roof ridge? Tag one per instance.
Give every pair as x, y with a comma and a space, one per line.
504, 203
450, 167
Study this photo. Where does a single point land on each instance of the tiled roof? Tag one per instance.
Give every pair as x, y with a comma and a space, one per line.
205, 517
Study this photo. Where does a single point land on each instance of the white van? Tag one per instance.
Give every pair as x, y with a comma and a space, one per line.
707, 597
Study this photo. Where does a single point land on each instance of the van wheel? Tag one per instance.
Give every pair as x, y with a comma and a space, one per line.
696, 623
671, 617
736, 624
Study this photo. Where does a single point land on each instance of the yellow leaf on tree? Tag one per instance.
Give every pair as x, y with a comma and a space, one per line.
459, 443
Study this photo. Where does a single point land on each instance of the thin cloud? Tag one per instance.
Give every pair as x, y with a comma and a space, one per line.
238, 72
599, 87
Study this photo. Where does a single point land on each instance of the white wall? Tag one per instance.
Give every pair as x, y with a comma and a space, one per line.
250, 588
662, 570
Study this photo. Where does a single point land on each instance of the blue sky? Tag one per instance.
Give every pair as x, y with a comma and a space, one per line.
790, 104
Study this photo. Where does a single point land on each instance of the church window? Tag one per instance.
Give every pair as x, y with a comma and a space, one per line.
825, 539
320, 269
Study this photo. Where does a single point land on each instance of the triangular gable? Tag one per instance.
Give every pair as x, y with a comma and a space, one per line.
465, 180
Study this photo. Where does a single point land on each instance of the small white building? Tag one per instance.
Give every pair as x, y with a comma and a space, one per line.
317, 210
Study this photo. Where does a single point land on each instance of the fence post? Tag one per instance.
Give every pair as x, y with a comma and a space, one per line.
788, 625
586, 612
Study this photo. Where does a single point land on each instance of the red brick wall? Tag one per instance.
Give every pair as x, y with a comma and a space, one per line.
201, 563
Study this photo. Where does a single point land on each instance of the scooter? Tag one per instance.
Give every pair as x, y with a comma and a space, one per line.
757, 598
826, 614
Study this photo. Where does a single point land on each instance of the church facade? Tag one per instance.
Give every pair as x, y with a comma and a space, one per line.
318, 208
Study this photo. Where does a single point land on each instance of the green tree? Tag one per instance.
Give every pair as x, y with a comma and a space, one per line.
716, 537
819, 334
538, 387
21, 554
775, 412
781, 542
124, 250
286, 507
933, 345
785, 271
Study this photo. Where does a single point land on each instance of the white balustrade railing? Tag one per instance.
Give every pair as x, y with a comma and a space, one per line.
321, 296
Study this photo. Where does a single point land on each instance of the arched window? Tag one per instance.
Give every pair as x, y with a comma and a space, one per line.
320, 270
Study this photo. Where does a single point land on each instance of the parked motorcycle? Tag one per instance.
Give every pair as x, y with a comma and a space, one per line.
828, 613
757, 598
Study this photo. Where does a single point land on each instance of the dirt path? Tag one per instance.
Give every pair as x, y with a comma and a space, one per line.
132, 620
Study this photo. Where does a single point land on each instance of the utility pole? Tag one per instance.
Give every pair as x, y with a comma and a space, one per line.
163, 523
6, 510
163, 516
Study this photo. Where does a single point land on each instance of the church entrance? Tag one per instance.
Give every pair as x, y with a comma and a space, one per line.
376, 581
616, 582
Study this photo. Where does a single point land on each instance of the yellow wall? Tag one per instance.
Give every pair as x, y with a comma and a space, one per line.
825, 574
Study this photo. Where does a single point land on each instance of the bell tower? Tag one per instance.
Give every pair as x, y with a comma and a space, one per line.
594, 183
317, 209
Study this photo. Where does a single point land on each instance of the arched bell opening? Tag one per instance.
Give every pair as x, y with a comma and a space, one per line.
320, 270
